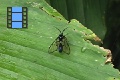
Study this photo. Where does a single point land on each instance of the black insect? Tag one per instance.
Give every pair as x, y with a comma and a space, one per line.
60, 44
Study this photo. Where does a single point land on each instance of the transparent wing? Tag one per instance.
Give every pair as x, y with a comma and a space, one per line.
54, 46
66, 47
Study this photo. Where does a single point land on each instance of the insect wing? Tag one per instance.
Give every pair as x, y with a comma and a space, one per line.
66, 47
54, 46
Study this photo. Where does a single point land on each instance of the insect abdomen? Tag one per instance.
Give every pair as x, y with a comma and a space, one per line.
60, 48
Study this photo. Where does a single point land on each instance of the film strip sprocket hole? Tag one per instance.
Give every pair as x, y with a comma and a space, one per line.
17, 17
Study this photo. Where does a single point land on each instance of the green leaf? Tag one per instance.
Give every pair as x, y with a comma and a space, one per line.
24, 52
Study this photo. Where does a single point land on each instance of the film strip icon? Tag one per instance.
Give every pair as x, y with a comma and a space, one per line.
17, 17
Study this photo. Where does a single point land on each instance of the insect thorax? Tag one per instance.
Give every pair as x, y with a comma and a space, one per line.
61, 37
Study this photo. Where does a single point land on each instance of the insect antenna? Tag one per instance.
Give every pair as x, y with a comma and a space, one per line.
58, 29
64, 29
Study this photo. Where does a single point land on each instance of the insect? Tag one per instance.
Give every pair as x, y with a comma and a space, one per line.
60, 44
